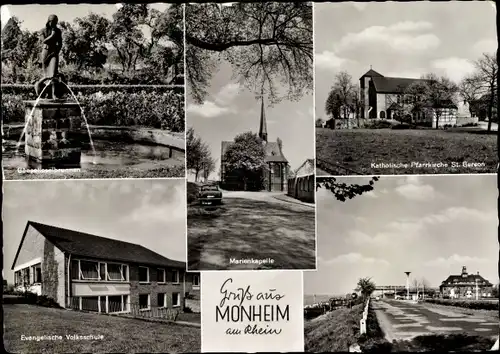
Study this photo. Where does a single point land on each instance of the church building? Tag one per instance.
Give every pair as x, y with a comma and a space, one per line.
384, 98
275, 176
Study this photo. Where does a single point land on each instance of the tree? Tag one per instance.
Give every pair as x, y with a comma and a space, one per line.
266, 44
486, 81
433, 95
198, 156
469, 90
426, 287
319, 123
208, 165
366, 287
245, 157
344, 191
85, 42
341, 99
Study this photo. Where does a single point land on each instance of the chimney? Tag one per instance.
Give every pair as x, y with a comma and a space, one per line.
477, 273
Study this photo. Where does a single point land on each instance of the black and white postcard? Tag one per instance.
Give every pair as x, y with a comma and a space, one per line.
405, 264
250, 137
406, 87
98, 266
93, 91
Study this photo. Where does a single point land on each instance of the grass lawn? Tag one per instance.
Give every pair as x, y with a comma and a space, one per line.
246, 228
335, 331
353, 151
120, 335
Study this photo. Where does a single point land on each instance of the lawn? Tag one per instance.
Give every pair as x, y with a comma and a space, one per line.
120, 335
335, 331
344, 151
246, 228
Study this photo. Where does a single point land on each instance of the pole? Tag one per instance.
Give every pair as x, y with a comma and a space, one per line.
423, 288
408, 285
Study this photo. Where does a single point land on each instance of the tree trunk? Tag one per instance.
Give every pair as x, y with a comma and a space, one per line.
197, 171
490, 106
437, 120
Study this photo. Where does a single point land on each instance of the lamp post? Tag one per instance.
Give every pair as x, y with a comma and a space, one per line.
407, 285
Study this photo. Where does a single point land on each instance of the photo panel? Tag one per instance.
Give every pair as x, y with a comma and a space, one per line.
250, 136
405, 264
399, 90
98, 266
93, 91
252, 312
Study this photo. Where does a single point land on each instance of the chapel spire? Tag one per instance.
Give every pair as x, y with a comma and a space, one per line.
263, 123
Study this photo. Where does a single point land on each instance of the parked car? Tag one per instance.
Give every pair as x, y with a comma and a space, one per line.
210, 194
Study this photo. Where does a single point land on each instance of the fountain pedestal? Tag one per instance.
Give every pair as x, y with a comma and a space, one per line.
53, 134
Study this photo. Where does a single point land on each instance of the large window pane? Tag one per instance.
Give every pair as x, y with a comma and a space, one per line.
89, 270
115, 272
90, 303
114, 303
143, 301
144, 274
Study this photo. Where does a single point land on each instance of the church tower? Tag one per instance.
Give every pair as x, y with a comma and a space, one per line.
263, 123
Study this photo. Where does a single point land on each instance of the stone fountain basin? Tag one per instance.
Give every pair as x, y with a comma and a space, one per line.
140, 135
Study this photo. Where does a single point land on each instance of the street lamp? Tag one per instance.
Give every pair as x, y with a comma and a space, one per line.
407, 285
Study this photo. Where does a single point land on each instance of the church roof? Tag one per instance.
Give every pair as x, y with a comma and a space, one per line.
273, 152
372, 73
393, 84
263, 122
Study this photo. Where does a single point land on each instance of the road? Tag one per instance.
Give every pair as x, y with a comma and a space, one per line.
401, 320
252, 225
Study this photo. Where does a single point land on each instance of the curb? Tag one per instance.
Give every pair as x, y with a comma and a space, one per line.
293, 202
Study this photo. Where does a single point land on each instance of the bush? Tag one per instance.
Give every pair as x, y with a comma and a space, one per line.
192, 192
468, 304
379, 124
188, 309
162, 110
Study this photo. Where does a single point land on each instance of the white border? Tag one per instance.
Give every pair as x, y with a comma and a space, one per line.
314, 154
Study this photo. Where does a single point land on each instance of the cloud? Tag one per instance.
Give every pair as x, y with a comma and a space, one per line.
414, 74
455, 68
417, 192
208, 109
360, 6
5, 14
119, 6
459, 213
454, 260
485, 46
400, 37
328, 61
393, 232
355, 258
227, 94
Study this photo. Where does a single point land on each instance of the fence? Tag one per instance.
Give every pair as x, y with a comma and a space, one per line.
364, 318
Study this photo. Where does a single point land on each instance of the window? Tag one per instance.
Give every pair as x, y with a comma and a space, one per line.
196, 280
26, 276
144, 302
161, 300
115, 303
160, 276
37, 274
116, 272
90, 303
102, 271
89, 270
173, 276
382, 113
176, 299
144, 274
277, 170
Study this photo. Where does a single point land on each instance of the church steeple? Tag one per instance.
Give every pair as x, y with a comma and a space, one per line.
263, 123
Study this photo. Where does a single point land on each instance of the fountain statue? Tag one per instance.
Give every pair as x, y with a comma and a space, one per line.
53, 122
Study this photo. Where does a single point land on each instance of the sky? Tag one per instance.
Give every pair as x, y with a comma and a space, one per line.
406, 39
66, 13
229, 110
149, 212
428, 225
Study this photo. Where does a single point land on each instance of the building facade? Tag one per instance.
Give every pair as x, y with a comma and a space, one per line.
466, 286
384, 98
301, 186
274, 176
92, 273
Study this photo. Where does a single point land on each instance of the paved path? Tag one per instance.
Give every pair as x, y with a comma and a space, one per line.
484, 126
400, 320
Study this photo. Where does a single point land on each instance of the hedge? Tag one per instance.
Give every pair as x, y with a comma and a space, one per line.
154, 109
28, 91
468, 304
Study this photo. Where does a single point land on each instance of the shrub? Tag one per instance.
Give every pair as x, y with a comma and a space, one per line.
468, 304
379, 124
188, 309
162, 110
